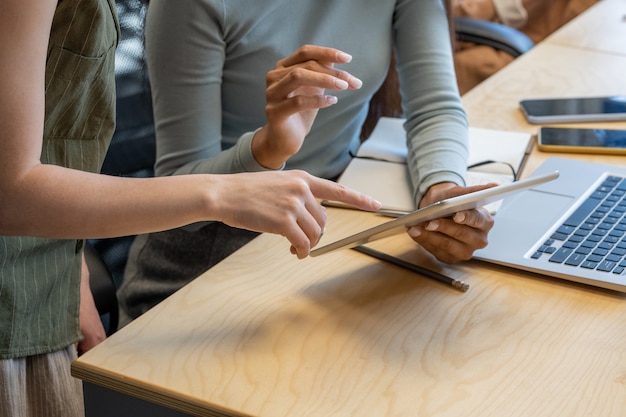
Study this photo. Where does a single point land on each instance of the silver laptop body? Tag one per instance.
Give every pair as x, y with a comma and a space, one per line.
527, 222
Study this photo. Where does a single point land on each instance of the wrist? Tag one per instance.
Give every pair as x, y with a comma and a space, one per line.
263, 151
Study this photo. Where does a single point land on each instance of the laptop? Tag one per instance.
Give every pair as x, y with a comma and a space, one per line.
573, 228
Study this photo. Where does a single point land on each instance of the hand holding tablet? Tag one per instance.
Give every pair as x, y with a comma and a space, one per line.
437, 210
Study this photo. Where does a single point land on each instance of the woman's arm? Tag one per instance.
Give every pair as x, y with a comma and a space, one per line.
52, 201
436, 121
436, 129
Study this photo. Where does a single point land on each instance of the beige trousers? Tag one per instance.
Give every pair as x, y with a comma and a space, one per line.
40, 386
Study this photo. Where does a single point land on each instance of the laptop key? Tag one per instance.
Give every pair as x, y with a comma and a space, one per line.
583, 250
589, 244
561, 255
559, 236
595, 258
565, 230
575, 259
589, 265
606, 266
613, 258
600, 252
582, 212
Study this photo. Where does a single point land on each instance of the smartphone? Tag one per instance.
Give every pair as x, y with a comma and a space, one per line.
574, 109
561, 139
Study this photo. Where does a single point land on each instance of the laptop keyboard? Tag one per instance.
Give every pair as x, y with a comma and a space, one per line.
594, 236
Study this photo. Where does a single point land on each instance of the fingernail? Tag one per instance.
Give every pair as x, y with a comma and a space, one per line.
459, 217
432, 226
344, 57
355, 82
415, 232
341, 84
331, 99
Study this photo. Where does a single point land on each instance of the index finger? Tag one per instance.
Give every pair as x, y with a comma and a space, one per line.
316, 53
328, 190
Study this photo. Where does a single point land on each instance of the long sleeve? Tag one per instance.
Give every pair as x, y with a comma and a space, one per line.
436, 121
185, 56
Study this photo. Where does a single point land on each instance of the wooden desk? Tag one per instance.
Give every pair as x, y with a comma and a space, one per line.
602, 28
263, 334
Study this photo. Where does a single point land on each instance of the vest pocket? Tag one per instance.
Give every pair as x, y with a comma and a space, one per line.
80, 108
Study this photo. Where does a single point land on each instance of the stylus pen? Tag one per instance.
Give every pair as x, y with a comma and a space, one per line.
460, 285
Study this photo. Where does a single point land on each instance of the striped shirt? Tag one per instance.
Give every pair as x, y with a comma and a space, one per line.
39, 278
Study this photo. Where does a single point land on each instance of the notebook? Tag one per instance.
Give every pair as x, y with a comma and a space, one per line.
573, 228
379, 168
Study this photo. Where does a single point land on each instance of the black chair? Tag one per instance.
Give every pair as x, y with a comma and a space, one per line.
131, 154
496, 35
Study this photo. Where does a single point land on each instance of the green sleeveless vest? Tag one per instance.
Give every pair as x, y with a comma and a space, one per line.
39, 278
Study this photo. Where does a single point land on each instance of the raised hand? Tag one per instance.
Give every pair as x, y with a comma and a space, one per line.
294, 94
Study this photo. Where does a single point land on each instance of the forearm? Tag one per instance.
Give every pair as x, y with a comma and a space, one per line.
51, 201
238, 158
436, 121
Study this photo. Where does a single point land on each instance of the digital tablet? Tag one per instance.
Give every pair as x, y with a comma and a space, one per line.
561, 139
574, 109
443, 208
